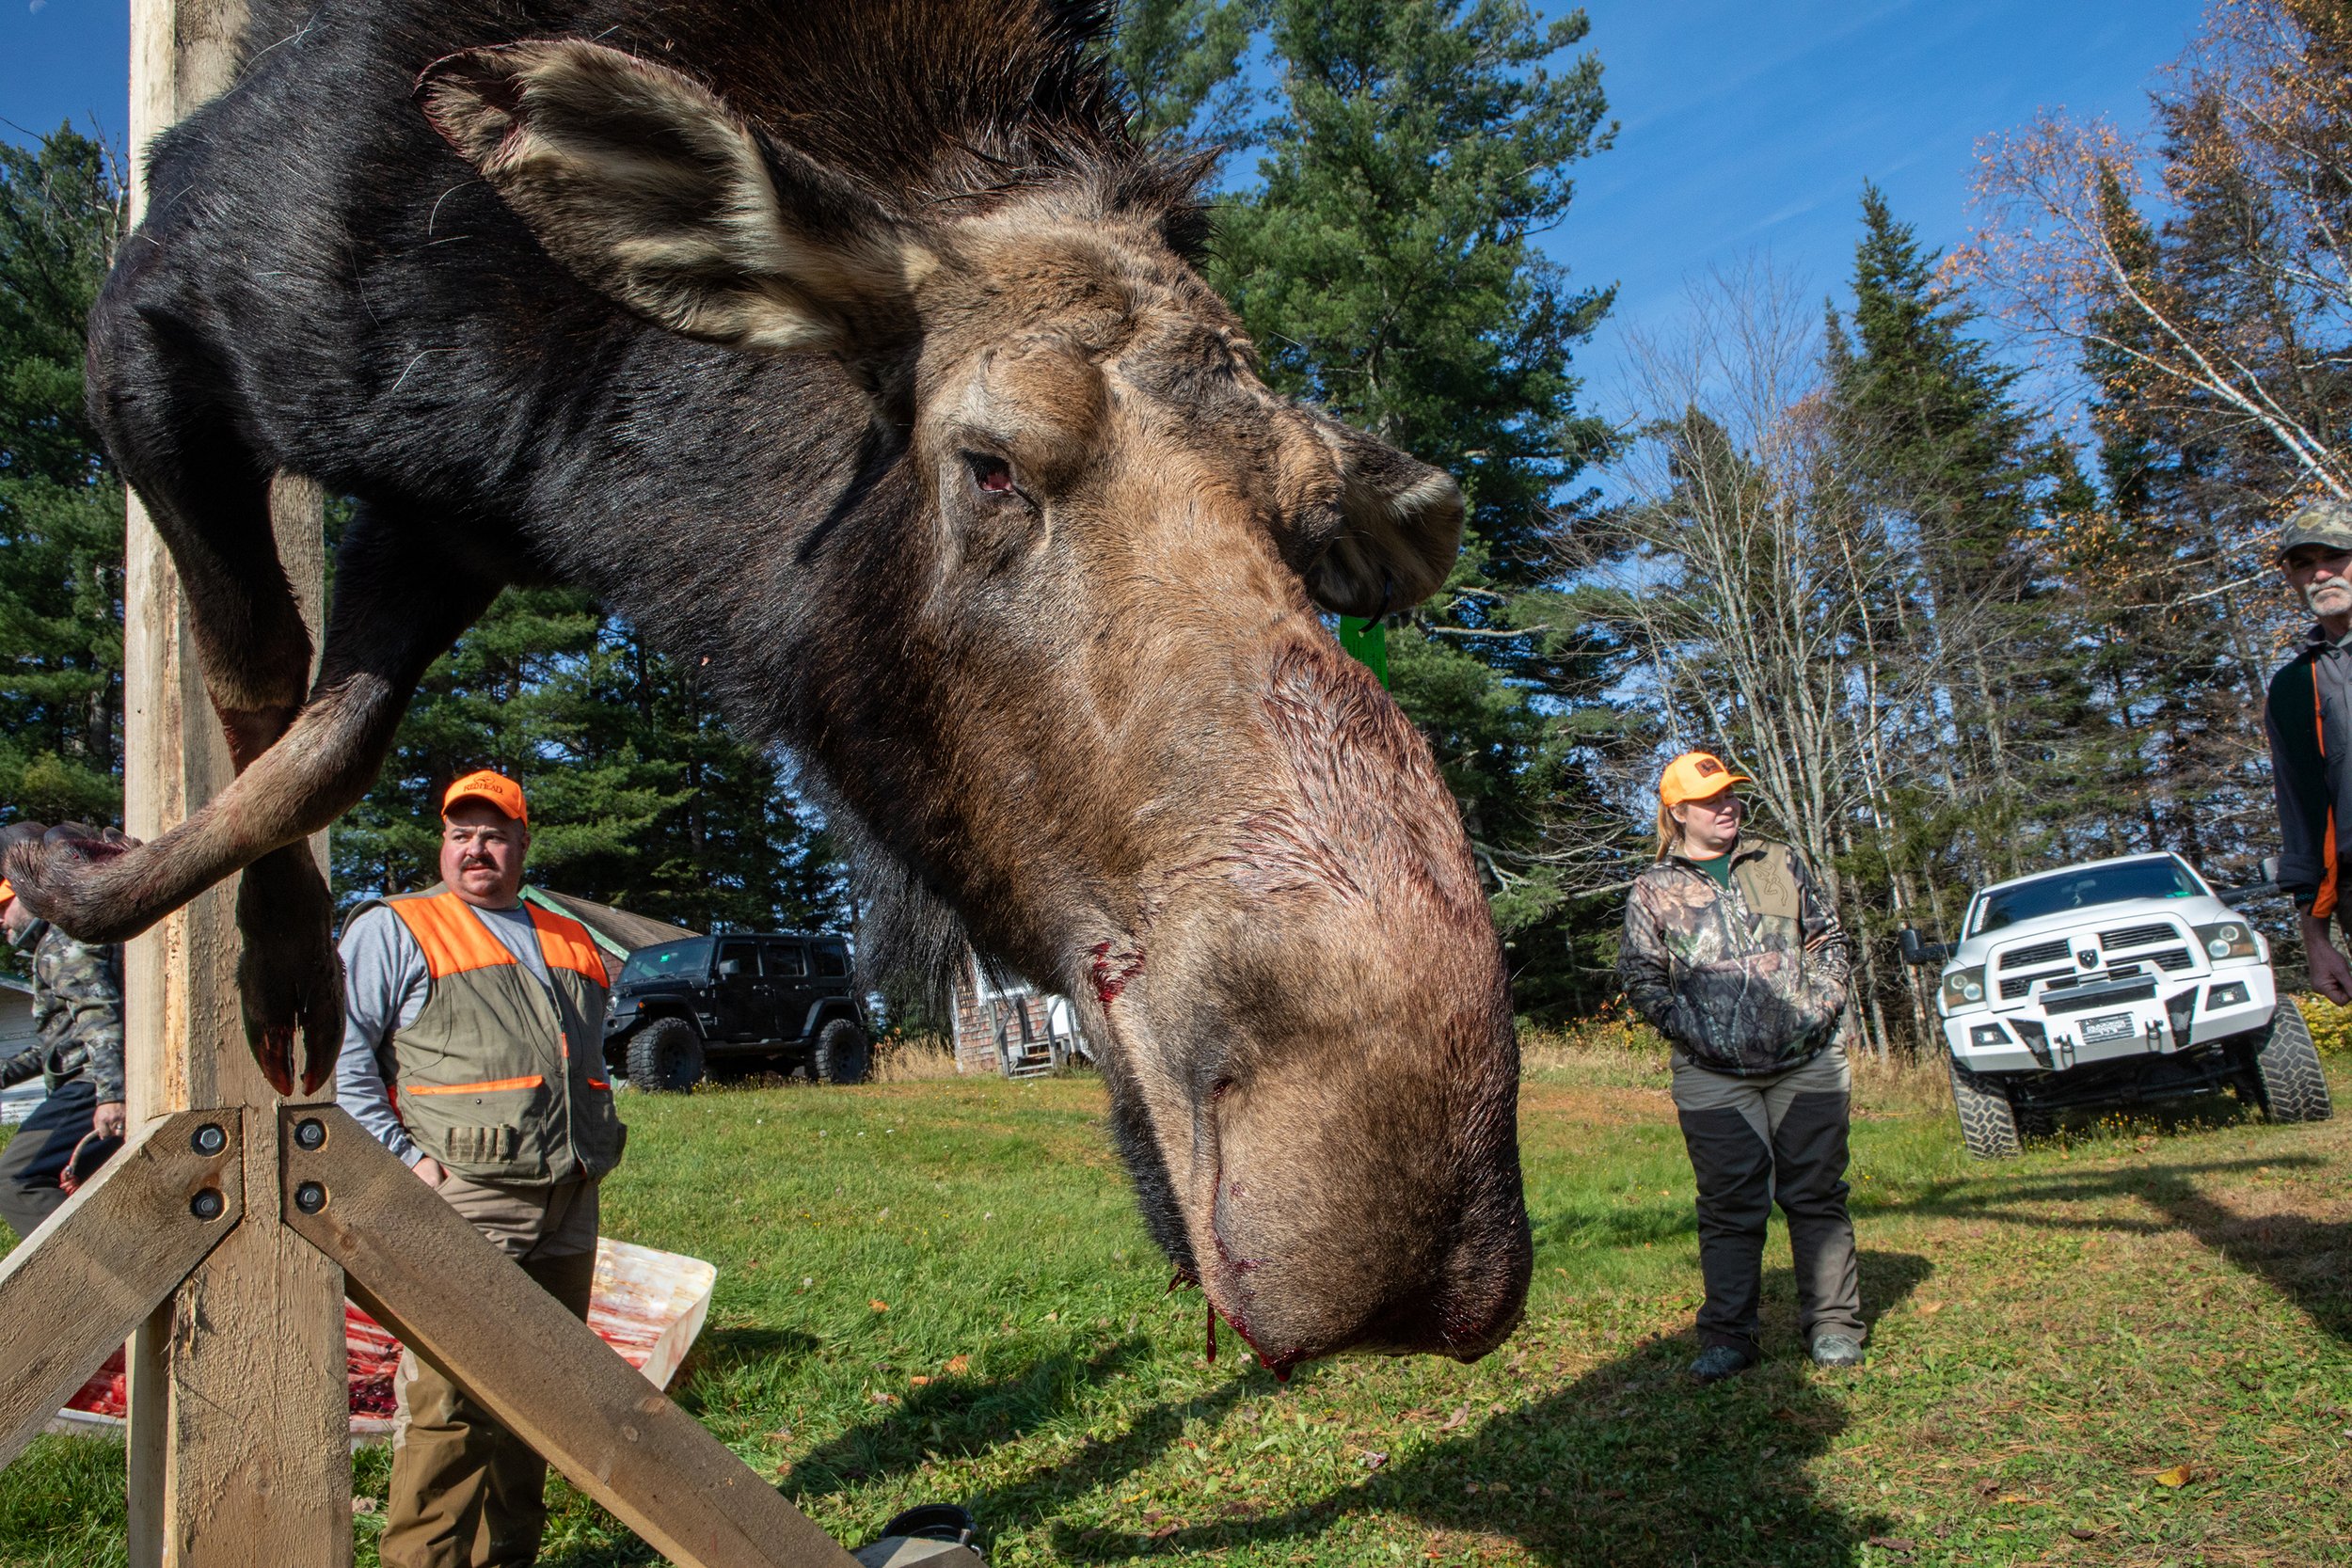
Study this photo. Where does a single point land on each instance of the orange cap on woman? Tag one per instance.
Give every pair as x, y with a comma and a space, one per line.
1695, 776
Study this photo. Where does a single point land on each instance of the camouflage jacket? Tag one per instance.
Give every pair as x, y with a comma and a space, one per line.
1749, 979
77, 1008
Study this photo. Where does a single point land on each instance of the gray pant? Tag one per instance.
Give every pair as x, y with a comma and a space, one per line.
466, 1493
1753, 1141
29, 1167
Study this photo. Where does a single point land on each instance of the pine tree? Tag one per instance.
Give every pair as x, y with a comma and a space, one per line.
1939, 442
641, 797
61, 508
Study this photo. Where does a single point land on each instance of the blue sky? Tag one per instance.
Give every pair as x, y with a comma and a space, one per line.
1746, 125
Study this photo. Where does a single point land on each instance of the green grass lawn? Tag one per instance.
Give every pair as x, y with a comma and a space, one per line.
939, 1291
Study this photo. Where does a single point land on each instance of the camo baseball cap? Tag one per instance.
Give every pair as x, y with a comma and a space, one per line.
2326, 524
1696, 776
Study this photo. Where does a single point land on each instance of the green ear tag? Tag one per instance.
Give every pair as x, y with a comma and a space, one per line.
1368, 641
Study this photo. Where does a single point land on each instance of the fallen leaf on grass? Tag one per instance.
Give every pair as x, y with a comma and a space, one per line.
1459, 1418
958, 1365
2175, 1477
1929, 1308
1373, 1461
879, 1306
1895, 1543
2081, 1534
919, 1380
365, 1505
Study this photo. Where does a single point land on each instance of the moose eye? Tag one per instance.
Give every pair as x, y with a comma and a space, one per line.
991, 475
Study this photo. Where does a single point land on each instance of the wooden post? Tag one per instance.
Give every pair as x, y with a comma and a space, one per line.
239, 1400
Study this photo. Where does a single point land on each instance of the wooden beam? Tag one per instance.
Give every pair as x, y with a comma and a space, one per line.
239, 1394
101, 1263
430, 1277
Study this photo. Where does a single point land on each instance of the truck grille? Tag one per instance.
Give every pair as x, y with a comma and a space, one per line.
2015, 986
2063, 1002
2138, 936
2039, 953
2171, 960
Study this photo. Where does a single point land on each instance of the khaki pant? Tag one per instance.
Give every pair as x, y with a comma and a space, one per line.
466, 1493
1754, 1142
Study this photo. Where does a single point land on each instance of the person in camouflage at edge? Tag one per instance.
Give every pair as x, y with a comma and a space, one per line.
1733, 953
77, 1008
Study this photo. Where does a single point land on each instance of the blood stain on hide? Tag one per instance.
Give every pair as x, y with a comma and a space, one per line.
1112, 971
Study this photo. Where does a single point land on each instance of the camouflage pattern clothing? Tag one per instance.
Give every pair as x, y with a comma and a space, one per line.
1747, 979
77, 1008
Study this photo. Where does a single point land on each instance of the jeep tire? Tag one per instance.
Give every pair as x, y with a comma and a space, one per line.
841, 1055
2285, 1069
665, 1056
1988, 1123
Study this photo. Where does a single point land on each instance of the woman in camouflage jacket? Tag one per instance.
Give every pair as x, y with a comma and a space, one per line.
1734, 954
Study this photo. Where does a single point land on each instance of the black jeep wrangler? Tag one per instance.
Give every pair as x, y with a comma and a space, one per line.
780, 995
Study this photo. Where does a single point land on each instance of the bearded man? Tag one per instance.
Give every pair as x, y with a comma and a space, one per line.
2309, 725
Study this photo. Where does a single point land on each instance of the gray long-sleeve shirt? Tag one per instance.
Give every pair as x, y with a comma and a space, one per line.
384, 983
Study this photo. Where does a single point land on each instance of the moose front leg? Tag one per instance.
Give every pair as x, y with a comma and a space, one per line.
395, 609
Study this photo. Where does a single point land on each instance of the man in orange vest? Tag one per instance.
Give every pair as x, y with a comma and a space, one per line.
473, 1048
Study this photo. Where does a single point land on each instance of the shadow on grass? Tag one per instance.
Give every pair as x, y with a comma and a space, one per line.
958, 1416
1632, 1465
2307, 1260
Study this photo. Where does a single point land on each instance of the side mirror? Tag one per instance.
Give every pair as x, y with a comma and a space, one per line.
1920, 953
730, 967
2233, 896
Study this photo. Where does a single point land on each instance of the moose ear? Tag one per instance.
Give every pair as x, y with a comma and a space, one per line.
1403, 527
648, 189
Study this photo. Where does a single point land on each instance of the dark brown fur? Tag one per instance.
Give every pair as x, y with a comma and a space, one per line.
852, 350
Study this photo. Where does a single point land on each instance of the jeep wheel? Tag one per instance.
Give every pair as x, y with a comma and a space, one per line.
665, 1056
2287, 1077
841, 1055
1988, 1123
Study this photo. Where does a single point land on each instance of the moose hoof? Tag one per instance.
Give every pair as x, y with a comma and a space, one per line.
75, 877
289, 977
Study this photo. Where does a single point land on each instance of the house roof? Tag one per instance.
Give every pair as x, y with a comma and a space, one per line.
617, 931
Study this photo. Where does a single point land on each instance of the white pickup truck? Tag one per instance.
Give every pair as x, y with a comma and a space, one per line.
2112, 983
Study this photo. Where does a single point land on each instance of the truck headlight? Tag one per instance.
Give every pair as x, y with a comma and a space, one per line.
1963, 987
2232, 995
1988, 1034
2232, 938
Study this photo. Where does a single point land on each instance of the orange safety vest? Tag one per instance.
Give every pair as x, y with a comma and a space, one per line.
499, 1077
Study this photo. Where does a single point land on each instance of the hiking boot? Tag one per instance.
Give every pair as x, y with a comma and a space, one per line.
1836, 1349
1718, 1362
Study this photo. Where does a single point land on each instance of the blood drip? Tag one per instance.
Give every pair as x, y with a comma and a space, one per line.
1212, 1334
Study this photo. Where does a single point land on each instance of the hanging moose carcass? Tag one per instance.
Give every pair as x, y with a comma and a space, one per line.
854, 351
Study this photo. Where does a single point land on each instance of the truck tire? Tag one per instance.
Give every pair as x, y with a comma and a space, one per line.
841, 1055
1988, 1123
665, 1056
2287, 1075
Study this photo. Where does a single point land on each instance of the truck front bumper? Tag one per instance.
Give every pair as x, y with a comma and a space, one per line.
2231, 1001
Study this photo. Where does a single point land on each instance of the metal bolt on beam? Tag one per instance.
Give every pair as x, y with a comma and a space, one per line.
310, 1198
310, 1132
207, 1204
209, 1139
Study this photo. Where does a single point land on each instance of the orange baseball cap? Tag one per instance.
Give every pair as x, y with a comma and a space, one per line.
1695, 776
497, 788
